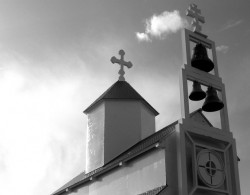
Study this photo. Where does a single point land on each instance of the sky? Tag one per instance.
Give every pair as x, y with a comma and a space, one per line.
55, 61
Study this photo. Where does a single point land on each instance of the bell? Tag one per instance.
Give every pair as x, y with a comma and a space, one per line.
212, 102
197, 93
200, 59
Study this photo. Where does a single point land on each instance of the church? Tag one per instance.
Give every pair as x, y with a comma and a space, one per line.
125, 155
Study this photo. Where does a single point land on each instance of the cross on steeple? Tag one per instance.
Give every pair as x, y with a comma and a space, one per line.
194, 13
122, 63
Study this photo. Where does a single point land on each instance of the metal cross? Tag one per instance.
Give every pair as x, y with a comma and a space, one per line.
194, 13
122, 63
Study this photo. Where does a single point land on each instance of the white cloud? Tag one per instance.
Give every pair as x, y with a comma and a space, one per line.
160, 26
30, 119
222, 48
142, 36
36, 117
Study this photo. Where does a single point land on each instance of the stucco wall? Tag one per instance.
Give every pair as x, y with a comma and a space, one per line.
139, 175
95, 138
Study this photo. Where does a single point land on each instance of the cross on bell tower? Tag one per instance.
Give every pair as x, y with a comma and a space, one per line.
122, 63
194, 13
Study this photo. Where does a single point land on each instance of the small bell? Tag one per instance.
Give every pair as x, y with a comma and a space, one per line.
212, 102
197, 93
200, 59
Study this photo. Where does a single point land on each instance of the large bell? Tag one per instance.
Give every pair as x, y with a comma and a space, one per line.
212, 102
200, 59
197, 93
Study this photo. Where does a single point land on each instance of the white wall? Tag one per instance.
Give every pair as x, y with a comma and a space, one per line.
95, 138
140, 175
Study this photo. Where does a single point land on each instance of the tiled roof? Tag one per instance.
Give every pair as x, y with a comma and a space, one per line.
155, 191
121, 90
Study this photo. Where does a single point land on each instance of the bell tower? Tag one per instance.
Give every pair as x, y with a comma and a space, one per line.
207, 158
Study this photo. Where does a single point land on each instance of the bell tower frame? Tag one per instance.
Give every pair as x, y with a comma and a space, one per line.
189, 73
206, 156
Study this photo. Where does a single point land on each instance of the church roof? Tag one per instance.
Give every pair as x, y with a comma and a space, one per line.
155, 191
135, 150
121, 90
128, 154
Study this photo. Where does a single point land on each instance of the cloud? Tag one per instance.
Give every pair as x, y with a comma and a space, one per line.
231, 24
222, 48
160, 26
142, 36
30, 119
38, 132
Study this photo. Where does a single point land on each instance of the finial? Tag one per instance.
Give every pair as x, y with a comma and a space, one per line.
194, 13
122, 63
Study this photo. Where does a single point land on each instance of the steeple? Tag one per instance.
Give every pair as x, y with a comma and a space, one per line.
117, 120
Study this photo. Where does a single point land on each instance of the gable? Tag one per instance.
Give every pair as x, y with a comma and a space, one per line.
197, 116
